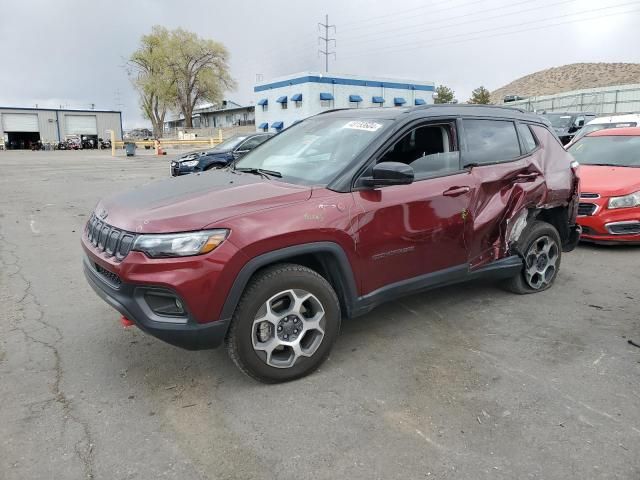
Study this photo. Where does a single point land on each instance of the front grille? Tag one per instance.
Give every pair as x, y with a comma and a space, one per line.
110, 240
630, 228
109, 277
589, 195
586, 209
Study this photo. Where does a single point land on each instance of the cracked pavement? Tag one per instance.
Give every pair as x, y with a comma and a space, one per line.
463, 382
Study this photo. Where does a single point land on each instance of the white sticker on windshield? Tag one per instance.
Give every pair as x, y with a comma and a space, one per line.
361, 125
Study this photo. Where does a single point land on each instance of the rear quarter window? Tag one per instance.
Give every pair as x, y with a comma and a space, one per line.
528, 140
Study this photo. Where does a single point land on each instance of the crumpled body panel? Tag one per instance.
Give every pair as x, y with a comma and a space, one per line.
501, 192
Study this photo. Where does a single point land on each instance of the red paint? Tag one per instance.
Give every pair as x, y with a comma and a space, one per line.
388, 234
609, 182
126, 323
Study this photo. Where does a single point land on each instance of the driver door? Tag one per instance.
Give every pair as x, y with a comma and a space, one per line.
408, 231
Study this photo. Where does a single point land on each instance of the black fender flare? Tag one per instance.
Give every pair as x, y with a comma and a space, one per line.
340, 269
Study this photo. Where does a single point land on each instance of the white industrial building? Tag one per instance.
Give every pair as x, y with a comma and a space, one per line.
21, 127
600, 100
284, 101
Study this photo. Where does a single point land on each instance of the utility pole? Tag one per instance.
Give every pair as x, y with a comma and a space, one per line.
326, 41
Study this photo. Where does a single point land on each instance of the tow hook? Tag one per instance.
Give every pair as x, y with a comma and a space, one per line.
126, 323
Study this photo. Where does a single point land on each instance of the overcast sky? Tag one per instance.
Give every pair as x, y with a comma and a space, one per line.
71, 52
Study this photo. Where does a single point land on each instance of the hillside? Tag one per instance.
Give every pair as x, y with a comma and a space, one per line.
570, 77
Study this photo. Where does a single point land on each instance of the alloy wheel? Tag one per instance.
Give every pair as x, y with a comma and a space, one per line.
288, 326
541, 262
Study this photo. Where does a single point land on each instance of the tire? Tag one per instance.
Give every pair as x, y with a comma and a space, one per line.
297, 296
541, 250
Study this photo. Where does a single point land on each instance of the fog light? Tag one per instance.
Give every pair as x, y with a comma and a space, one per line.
165, 304
179, 305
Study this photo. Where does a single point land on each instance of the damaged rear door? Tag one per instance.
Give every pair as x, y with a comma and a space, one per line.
504, 160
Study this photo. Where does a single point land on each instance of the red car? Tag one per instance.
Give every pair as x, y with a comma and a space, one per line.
330, 218
609, 210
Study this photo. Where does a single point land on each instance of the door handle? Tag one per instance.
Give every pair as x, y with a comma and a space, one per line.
456, 191
524, 177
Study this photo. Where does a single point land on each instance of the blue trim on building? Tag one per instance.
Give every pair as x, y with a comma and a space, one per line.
277, 125
296, 98
263, 126
282, 99
326, 96
263, 102
419, 101
399, 101
355, 98
377, 99
342, 81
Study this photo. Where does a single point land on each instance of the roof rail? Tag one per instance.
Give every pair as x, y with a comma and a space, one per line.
467, 105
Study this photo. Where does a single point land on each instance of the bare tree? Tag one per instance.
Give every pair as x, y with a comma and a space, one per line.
147, 69
199, 69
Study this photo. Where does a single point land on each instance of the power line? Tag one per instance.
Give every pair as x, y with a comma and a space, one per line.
439, 26
437, 40
398, 17
326, 41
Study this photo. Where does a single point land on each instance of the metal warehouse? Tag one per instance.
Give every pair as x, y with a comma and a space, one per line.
286, 100
600, 100
22, 127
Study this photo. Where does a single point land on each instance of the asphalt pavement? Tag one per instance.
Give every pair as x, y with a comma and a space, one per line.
466, 382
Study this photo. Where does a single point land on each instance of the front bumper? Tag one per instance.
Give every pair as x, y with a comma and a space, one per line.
178, 169
608, 226
128, 299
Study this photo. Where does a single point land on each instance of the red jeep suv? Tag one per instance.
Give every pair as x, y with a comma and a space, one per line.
333, 216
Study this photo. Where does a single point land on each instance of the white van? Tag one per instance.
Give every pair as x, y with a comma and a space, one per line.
601, 123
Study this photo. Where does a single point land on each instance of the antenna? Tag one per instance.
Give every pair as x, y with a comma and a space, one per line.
326, 26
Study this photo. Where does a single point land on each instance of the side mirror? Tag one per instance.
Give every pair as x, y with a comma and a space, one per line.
389, 173
239, 153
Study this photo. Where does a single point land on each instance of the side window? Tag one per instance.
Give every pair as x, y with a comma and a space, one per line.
528, 140
430, 150
252, 143
490, 141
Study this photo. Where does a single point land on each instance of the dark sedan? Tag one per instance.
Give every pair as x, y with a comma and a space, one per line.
218, 157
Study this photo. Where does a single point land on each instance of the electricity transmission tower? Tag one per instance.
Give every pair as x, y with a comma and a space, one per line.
326, 41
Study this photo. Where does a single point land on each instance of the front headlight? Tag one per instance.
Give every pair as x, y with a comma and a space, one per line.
631, 200
180, 244
190, 163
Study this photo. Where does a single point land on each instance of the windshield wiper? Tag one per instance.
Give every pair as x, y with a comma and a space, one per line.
260, 171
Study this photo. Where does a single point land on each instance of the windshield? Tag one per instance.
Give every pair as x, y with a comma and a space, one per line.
558, 120
313, 152
231, 142
594, 127
616, 150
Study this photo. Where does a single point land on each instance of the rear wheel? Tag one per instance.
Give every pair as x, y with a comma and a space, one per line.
541, 249
285, 325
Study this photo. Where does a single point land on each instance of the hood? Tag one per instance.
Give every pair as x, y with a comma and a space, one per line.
198, 153
609, 181
192, 202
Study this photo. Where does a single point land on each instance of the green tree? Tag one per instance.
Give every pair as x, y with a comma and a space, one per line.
178, 69
443, 94
480, 96
148, 72
199, 69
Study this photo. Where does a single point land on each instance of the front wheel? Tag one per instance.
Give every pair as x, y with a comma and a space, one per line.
541, 249
285, 324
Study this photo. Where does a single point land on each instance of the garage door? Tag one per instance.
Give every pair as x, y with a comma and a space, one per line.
20, 122
81, 124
